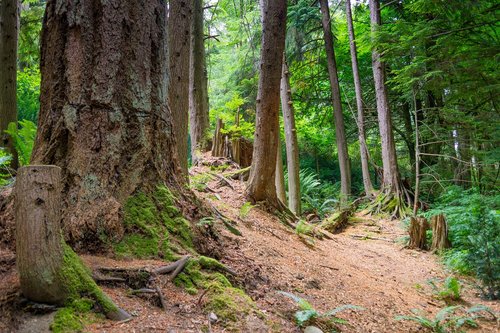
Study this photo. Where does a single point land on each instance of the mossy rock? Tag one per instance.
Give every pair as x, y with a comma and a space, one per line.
155, 227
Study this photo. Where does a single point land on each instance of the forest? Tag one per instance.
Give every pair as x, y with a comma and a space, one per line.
249, 166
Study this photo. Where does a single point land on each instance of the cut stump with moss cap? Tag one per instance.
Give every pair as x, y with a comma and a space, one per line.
50, 272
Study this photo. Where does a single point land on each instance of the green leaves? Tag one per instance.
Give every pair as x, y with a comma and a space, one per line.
308, 315
24, 138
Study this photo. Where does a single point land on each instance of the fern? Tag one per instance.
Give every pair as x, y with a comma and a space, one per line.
307, 314
23, 138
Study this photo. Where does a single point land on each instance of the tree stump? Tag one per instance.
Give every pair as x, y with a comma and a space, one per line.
417, 230
49, 271
440, 240
218, 140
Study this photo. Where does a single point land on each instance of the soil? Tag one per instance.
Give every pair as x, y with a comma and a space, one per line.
365, 265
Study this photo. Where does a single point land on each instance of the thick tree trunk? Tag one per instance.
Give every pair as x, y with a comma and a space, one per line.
440, 240
280, 176
261, 185
179, 33
391, 181
367, 183
292, 147
8, 69
418, 228
343, 154
49, 271
104, 118
198, 90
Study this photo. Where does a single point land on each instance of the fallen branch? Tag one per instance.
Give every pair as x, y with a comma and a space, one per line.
372, 238
143, 291
223, 180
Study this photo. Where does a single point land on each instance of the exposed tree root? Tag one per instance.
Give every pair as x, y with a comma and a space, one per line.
397, 205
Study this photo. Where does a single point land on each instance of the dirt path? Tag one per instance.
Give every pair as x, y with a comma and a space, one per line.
376, 273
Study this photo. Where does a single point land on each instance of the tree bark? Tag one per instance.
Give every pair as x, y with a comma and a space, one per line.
367, 183
218, 140
8, 70
391, 178
49, 271
292, 147
343, 154
418, 228
179, 33
198, 91
280, 176
440, 240
103, 117
261, 186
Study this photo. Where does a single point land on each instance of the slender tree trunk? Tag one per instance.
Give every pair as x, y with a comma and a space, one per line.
391, 181
280, 176
292, 147
179, 33
198, 91
343, 155
367, 183
261, 185
103, 110
406, 113
8, 66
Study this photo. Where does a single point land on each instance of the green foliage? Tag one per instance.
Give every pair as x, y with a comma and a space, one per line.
317, 196
445, 321
28, 95
449, 290
5, 172
245, 210
23, 138
307, 315
474, 229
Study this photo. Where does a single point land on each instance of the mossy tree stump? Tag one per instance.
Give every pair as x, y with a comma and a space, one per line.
440, 240
417, 230
50, 272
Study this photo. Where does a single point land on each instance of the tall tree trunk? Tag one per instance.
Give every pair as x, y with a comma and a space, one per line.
198, 90
367, 183
179, 33
8, 68
391, 181
261, 186
280, 176
406, 113
343, 155
103, 110
292, 147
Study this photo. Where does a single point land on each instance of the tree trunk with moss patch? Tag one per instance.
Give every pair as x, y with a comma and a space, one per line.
49, 271
103, 113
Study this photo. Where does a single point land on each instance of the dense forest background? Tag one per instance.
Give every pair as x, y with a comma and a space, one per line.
438, 60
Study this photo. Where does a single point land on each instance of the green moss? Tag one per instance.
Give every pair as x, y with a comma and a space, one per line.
154, 227
229, 304
78, 281
74, 316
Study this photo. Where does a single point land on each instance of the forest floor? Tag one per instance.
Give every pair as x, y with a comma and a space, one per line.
364, 265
